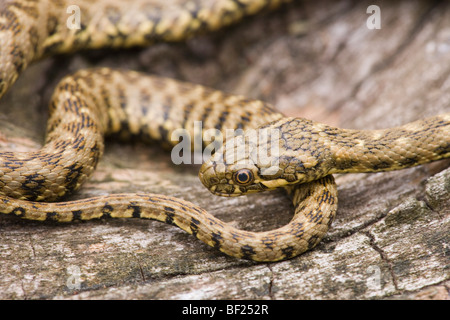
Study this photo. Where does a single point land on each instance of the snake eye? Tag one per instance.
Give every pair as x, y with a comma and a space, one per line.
243, 177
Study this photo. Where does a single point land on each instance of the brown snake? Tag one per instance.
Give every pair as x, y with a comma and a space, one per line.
94, 103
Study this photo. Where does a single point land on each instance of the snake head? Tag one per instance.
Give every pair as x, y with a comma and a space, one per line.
245, 164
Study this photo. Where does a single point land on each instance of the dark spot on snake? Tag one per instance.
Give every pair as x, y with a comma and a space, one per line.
219, 125
324, 197
205, 112
33, 185
169, 209
78, 143
194, 226
193, 220
315, 215
136, 211
60, 146
298, 230
52, 216
20, 212
18, 58
74, 104
12, 163
187, 111
107, 209
122, 99
87, 121
408, 161
247, 251
76, 215
216, 237
381, 165
441, 150
268, 243
223, 117
288, 252
331, 131
144, 110
75, 172
441, 123
169, 218
166, 110
169, 215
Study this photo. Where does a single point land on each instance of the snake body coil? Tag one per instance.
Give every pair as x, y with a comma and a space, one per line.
93, 103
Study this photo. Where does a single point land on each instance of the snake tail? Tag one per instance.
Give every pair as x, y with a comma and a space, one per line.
309, 224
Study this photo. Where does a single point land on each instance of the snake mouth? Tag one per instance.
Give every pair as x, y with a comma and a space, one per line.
221, 190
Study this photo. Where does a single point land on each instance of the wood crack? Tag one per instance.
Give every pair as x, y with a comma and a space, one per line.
271, 282
384, 257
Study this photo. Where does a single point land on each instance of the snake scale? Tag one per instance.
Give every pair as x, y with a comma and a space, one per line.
93, 103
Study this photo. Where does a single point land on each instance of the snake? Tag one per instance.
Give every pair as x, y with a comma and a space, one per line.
301, 156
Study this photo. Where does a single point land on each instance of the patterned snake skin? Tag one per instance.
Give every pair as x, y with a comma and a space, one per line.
93, 103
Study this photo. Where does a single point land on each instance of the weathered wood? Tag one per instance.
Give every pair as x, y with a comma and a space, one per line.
315, 59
